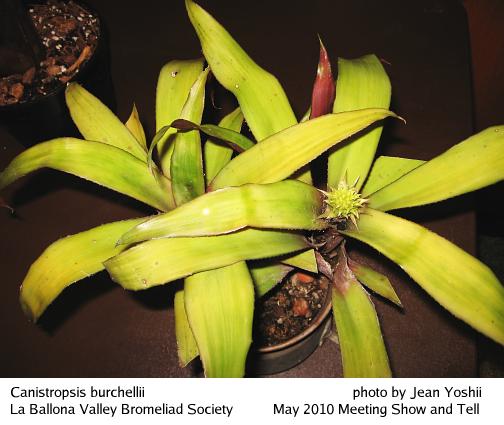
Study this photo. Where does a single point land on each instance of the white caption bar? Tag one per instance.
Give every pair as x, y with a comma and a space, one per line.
234, 401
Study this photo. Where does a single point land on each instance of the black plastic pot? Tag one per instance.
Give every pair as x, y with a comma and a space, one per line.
47, 117
280, 357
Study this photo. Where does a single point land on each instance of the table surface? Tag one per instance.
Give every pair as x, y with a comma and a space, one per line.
97, 329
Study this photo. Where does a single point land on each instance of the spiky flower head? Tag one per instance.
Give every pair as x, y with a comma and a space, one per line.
343, 203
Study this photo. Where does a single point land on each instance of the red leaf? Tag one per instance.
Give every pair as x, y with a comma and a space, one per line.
324, 88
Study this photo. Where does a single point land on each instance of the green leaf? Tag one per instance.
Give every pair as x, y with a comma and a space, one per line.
361, 83
362, 348
387, 169
305, 260
280, 155
134, 125
187, 162
186, 344
234, 139
69, 260
470, 165
98, 123
220, 308
174, 83
158, 137
284, 205
260, 95
160, 261
100, 163
306, 115
267, 274
217, 154
375, 281
455, 279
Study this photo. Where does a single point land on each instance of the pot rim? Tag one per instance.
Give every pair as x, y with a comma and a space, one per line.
319, 319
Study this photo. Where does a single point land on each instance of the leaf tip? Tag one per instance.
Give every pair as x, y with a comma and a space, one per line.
4, 204
27, 310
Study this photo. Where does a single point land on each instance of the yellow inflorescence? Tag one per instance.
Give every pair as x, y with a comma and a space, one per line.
343, 203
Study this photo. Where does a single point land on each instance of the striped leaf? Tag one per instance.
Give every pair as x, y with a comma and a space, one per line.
186, 344
362, 348
361, 83
186, 168
470, 165
220, 308
455, 279
174, 83
69, 260
387, 169
218, 154
280, 155
100, 163
284, 205
160, 261
97, 123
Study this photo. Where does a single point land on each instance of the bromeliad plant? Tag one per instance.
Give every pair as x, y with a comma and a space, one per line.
219, 213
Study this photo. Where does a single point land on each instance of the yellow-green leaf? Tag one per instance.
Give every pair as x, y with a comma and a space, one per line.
97, 122
218, 154
362, 348
186, 168
284, 205
455, 279
377, 282
306, 115
305, 260
281, 154
186, 344
69, 260
134, 125
234, 139
470, 165
260, 95
220, 308
361, 83
100, 163
160, 261
267, 274
174, 83
387, 169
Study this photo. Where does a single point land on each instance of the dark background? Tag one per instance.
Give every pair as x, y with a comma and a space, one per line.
97, 329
